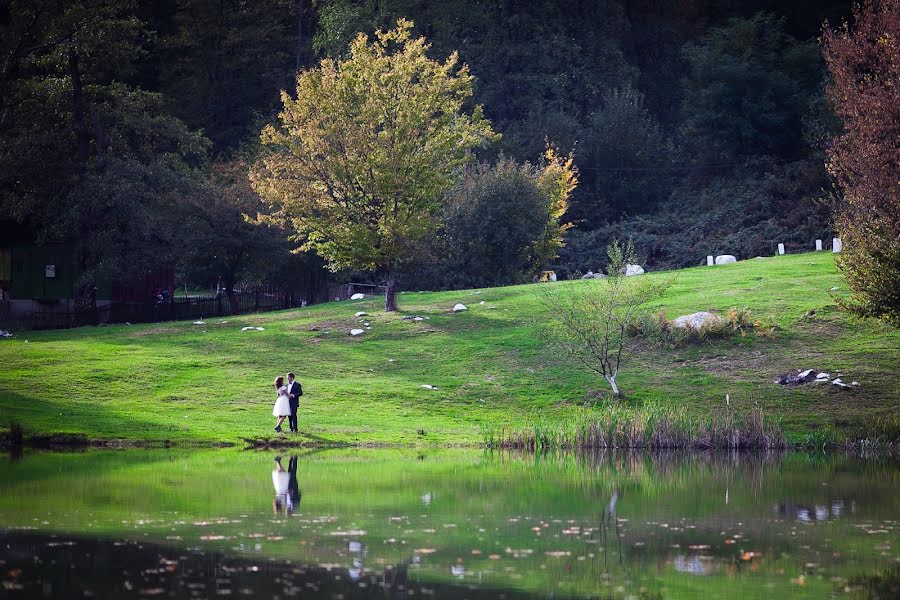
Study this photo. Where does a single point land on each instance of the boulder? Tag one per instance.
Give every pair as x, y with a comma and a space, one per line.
355, 332
725, 259
460, 308
631, 270
357, 296
362, 314
592, 275
696, 320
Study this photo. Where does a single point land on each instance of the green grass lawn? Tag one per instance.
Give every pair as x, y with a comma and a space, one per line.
204, 383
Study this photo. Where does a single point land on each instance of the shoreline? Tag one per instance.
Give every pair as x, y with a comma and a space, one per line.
65, 442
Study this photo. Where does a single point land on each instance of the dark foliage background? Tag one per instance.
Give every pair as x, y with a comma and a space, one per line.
698, 126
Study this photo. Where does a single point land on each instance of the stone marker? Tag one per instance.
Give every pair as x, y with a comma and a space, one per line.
725, 259
780, 248
836, 245
818, 245
710, 261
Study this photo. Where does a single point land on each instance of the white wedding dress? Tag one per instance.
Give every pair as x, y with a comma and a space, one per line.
282, 406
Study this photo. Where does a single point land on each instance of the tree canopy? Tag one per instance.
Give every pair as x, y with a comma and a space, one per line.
365, 151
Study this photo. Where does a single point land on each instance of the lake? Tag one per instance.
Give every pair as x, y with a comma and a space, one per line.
414, 524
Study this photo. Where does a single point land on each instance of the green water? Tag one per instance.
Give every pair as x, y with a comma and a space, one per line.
448, 524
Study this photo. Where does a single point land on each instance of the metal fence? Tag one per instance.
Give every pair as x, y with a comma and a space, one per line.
176, 309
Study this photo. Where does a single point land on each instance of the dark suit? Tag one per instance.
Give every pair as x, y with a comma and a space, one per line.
293, 487
295, 391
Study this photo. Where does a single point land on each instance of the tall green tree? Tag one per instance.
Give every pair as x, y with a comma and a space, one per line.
504, 222
222, 62
226, 243
86, 158
364, 153
748, 87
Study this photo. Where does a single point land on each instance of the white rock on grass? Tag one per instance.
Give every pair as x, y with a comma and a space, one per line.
252, 329
806, 373
460, 308
429, 387
355, 332
482, 302
5, 334
725, 259
199, 322
362, 314
631, 270
696, 320
357, 296
592, 275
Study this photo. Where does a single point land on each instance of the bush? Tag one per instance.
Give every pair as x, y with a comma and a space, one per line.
657, 329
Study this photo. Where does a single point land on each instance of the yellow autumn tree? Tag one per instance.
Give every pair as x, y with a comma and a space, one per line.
360, 159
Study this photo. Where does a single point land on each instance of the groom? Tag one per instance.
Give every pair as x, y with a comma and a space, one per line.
294, 393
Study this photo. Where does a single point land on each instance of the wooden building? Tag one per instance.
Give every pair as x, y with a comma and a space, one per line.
40, 278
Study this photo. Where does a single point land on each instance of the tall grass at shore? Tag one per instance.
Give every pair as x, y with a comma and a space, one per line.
656, 427
652, 427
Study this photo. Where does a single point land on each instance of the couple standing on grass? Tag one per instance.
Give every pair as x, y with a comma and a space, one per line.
287, 402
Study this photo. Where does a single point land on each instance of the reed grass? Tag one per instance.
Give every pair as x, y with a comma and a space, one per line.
652, 427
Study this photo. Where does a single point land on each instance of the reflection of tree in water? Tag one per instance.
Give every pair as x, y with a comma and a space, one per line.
878, 586
47, 566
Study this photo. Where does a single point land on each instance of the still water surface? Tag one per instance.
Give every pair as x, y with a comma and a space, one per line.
447, 524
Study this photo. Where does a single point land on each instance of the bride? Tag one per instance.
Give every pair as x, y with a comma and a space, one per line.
282, 408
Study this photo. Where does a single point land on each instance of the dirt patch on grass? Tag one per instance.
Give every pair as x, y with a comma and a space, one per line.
158, 330
334, 326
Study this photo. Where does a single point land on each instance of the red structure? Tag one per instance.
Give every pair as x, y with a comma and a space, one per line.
157, 285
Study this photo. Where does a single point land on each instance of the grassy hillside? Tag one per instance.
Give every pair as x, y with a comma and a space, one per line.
185, 382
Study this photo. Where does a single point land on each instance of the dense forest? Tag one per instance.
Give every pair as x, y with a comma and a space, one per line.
697, 126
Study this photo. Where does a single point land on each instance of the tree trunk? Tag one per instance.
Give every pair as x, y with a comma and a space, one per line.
229, 293
85, 291
81, 132
615, 388
390, 293
298, 58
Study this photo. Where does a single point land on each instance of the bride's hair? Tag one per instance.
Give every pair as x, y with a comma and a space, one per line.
279, 381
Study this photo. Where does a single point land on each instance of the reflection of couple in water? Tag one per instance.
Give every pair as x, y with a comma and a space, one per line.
287, 492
